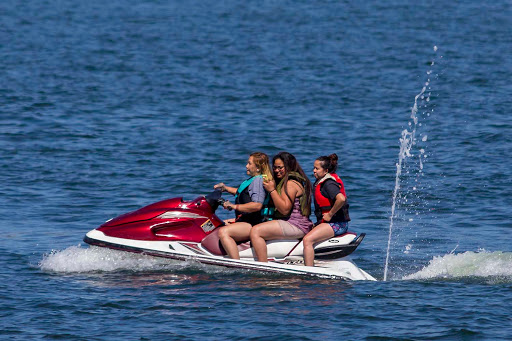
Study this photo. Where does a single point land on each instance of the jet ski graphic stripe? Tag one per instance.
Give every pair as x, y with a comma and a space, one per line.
194, 248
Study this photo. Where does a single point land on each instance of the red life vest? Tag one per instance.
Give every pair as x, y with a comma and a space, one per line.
323, 202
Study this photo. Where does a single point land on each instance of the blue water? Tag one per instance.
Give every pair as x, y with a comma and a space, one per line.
108, 106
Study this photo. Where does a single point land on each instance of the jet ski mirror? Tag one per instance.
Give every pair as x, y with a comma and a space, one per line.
214, 199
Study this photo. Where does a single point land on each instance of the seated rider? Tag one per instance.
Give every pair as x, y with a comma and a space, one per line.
250, 199
291, 198
331, 206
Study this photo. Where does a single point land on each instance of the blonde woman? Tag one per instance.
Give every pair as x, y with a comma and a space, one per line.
250, 204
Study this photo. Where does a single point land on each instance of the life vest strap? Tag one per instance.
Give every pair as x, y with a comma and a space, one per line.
245, 184
267, 212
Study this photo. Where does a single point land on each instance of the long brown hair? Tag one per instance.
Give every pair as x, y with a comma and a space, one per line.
291, 165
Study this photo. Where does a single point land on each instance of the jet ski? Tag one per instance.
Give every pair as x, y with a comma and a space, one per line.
188, 230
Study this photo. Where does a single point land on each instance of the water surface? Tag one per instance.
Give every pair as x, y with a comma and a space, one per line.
107, 107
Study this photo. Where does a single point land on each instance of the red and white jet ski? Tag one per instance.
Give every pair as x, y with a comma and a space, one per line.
188, 230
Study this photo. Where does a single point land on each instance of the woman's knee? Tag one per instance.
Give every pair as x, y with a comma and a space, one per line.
258, 231
255, 232
308, 240
224, 232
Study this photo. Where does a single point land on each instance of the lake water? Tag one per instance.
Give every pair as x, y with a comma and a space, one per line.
109, 106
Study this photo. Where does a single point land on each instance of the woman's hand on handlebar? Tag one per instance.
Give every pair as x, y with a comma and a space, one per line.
220, 186
228, 206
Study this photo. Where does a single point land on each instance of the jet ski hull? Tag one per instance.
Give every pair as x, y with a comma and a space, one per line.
342, 268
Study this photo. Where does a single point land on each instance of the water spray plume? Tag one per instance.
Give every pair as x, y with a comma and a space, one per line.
407, 141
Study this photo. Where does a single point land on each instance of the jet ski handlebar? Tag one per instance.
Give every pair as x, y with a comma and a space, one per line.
214, 199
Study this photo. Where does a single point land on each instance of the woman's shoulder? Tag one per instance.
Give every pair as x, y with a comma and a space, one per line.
258, 181
294, 185
331, 183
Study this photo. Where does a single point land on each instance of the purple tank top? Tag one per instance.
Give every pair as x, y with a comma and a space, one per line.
298, 220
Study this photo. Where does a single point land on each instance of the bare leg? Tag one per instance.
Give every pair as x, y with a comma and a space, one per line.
232, 233
260, 233
318, 234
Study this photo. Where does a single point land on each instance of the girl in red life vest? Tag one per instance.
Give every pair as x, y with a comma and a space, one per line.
331, 207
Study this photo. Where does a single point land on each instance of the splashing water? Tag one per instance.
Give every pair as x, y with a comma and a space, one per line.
75, 259
469, 264
407, 141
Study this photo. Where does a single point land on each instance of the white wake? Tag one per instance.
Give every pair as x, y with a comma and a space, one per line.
482, 264
75, 259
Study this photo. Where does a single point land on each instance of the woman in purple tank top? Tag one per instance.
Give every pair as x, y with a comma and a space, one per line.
292, 201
